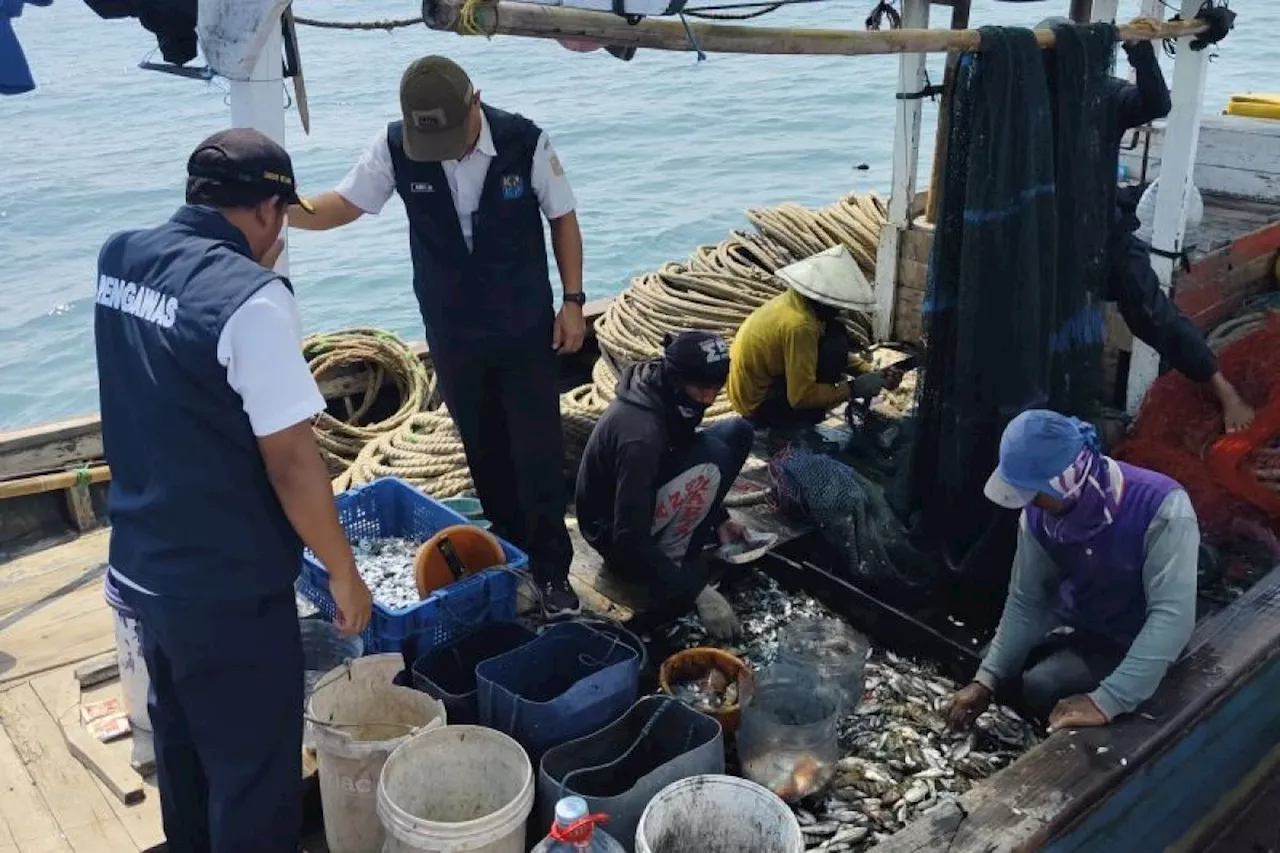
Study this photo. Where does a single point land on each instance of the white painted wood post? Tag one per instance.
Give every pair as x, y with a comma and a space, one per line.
1104, 10
241, 40
906, 159
1181, 139
258, 102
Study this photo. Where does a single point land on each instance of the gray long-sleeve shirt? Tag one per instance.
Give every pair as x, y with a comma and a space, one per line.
1172, 545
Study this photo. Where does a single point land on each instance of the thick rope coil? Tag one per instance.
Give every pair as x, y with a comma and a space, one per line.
715, 289
385, 357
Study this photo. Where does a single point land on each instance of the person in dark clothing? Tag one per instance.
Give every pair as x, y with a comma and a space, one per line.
476, 183
216, 485
652, 485
1132, 283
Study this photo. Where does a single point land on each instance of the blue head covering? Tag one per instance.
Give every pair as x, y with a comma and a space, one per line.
1036, 448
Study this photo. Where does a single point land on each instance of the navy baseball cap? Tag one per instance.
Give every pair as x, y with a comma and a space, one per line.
1036, 447
247, 166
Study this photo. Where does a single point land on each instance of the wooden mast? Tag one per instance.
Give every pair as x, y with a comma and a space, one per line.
959, 21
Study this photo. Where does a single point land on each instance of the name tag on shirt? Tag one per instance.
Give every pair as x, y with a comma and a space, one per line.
420, 187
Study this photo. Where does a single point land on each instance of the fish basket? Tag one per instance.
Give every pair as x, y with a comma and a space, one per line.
390, 507
693, 664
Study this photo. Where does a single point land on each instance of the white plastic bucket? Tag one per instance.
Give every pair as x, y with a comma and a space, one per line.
456, 789
717, 814
135, 681
355, 718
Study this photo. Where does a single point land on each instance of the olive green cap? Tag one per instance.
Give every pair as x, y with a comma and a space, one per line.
435, 100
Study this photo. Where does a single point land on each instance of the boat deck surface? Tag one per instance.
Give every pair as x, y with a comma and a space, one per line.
53, 617
1227, 219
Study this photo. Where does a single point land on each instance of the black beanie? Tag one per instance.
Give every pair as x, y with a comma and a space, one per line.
698, 357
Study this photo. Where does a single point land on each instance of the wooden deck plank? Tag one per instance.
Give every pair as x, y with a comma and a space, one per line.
32, 577
134, 827
141, 821
46, 844
66, 630
28, 823
61, 695
81, 813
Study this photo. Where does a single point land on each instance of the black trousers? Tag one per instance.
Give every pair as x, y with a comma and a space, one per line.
226, 708
776, 412
715, 457
1059, 666
505, 401
1152, 316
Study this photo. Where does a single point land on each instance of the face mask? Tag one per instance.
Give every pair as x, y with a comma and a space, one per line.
689, 408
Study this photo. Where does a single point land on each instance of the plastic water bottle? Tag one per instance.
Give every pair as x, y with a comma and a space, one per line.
575, 831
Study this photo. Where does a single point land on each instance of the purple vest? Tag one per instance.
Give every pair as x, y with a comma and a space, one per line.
1102, 591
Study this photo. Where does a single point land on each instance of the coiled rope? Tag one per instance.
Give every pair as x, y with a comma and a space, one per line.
1256, 311
384, 357
715, 289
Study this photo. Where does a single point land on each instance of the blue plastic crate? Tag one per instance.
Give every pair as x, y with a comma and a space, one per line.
390, 507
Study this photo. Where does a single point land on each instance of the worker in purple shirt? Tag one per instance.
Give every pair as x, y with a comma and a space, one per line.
1103, 592
1131, 282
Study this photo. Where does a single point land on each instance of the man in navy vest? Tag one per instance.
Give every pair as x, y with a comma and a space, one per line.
216, 484
1107, 553
476, 183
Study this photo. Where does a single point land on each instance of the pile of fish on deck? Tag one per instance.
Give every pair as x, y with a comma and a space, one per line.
900, 758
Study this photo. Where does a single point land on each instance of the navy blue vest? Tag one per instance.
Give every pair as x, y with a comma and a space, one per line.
192, 512
501, 290
1103, 591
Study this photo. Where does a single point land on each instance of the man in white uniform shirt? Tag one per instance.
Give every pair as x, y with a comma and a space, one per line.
216, 485
476, 183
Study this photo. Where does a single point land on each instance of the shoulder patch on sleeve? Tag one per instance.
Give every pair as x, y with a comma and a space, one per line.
556, 168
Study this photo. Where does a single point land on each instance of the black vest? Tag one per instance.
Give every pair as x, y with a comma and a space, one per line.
501, 290
192, 512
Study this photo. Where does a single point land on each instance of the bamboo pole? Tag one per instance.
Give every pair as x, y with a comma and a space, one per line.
41, 483
959, 21
502, 17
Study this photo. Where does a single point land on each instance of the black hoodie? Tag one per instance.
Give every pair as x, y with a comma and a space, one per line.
618, 479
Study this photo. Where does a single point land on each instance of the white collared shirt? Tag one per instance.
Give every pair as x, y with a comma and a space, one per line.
372, 181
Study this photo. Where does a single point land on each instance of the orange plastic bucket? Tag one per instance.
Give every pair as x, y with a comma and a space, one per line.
453, 553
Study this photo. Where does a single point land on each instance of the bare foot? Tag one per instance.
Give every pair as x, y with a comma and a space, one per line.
1237, 415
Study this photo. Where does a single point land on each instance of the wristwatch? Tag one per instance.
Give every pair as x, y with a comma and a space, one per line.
576, 298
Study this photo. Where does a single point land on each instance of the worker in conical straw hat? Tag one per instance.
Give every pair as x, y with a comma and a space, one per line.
1131, 282
1107, 557
791, 360
477, 183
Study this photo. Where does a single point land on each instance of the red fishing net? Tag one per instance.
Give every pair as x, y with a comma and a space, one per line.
1179, 430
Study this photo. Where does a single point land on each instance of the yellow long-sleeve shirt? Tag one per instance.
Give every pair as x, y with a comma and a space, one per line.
780, 338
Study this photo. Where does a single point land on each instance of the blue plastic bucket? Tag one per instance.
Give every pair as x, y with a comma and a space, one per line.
570, 681
448, 672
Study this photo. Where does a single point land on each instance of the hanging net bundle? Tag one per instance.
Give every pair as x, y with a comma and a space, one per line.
1013, 313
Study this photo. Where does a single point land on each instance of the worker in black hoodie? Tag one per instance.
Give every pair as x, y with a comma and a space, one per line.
1147, 310
651, 486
